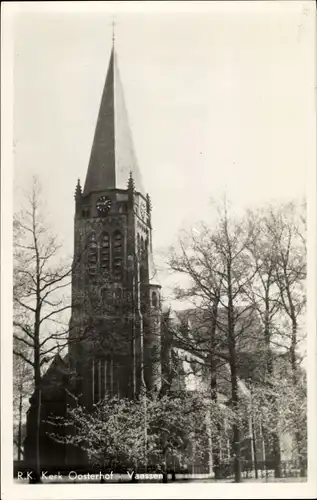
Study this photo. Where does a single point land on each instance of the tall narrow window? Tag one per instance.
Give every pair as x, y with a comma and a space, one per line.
92, 255
142, 248
86, 212
138, 244
105, 376
105, 253
117, 298
107, 302
93, 379
154, 299
142, 274
111, 377
96, 381
117, 255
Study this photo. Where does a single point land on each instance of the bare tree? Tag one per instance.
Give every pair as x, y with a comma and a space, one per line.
40, 284
219, 268
286, 226
193, 261
264, 295
22, 388
245, 279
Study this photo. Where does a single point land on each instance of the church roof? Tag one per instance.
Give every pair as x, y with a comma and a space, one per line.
112, 155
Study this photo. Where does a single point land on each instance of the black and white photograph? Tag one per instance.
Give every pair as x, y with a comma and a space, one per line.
158, 250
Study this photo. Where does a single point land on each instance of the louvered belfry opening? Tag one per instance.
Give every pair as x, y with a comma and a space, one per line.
117, 252
92, 254
107, 256
107, 378
105, 253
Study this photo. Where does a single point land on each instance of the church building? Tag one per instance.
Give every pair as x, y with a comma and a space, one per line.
118, 340
115, 327
116, 301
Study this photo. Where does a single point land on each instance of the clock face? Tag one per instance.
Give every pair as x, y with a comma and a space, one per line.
103, 204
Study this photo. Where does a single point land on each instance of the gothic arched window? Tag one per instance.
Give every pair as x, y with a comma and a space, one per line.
117, 298
154, 299
105, 253
92, 254
142, 274
117, 294
143, 249
98, 379
86, 212
104, 294
117, 255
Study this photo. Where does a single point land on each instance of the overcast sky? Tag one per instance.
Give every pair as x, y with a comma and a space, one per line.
218, 100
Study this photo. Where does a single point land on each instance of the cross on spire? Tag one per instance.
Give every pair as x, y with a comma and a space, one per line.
113, 31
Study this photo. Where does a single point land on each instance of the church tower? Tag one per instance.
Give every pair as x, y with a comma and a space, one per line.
115, 328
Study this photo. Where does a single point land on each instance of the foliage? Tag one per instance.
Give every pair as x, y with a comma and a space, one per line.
281, 408
142, 432
40, 280
22, 388
245, 278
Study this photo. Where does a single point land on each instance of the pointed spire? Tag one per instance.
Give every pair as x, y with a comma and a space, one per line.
148, 204
78, 192
113, 33
131, 185
112, 153
149, 210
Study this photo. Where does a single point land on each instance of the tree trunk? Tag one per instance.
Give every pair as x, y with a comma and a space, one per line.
164, 467
276, 455
37, 358
216, 440
270, 369
37, 383
213, 390
254, 448
235, 427
20, 425
302, 466
133, 479
293, 347
234, 383
37, 436
295, 381
165, 478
